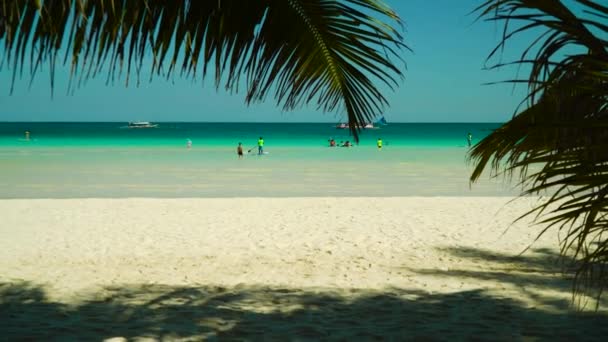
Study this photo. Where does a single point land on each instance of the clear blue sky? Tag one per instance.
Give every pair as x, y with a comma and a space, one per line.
443, 83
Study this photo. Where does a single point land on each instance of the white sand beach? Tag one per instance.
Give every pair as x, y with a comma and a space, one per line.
128, 268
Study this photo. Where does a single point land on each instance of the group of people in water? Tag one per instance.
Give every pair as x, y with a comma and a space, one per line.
332, 143
239, 148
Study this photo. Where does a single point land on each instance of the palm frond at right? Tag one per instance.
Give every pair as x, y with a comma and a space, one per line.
558, 144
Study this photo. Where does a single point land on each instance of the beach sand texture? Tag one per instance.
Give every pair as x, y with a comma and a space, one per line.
282, 269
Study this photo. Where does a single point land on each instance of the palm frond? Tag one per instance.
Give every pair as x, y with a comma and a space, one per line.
559, 142
330, 52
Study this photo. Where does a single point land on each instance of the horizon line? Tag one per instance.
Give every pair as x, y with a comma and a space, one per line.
255, 122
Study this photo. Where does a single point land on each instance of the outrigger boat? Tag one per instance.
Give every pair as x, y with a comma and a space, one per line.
381, 122
346, 126
141, 124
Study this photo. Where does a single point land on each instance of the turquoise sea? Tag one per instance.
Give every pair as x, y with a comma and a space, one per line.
67, 160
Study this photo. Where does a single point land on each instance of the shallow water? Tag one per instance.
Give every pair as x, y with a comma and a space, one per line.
105, 160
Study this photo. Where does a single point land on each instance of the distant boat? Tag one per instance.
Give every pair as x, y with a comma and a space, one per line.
141, 124
346, 126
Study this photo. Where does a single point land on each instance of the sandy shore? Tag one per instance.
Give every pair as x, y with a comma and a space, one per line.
284, 268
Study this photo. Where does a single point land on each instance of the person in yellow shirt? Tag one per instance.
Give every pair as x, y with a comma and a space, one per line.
379, 143
261, 145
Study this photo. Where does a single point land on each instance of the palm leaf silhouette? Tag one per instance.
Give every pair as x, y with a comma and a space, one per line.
330, 53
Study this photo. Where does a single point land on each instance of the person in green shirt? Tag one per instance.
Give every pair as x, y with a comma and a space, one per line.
261, 145
379, 143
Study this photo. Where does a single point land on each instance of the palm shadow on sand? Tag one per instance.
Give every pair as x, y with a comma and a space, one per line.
251, 312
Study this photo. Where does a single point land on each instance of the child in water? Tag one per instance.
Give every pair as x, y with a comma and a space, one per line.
239, 150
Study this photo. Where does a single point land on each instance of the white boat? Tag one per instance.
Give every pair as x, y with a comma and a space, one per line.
368, 125
141, 124
342, 126
346, 126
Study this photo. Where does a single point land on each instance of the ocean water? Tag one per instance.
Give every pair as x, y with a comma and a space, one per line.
74, 160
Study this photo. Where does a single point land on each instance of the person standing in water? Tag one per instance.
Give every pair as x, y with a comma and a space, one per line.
188, 143
27, 135
239, 150
261, 146
469, 138
379, 143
